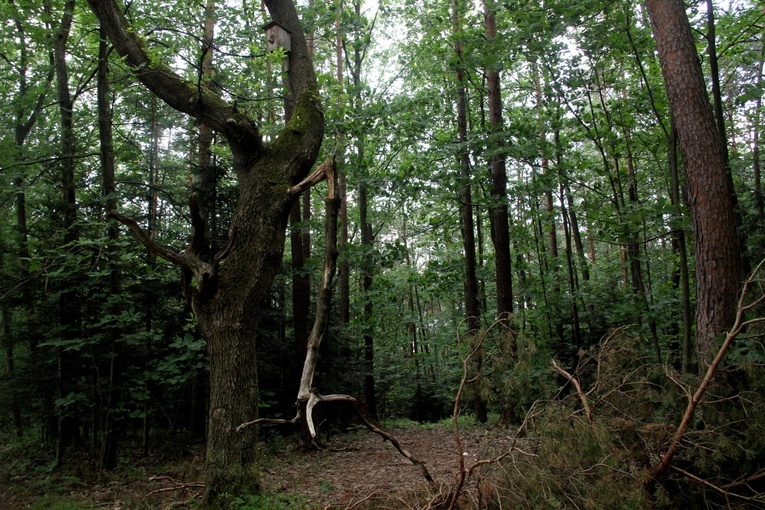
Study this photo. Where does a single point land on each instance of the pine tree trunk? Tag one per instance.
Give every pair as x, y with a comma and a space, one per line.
717, 103
718, 273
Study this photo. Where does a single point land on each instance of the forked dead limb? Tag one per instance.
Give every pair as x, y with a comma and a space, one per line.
308, 396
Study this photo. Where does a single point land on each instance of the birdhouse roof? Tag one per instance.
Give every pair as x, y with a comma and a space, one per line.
272, 24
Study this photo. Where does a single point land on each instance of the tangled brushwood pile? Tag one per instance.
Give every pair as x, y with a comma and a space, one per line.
598, 446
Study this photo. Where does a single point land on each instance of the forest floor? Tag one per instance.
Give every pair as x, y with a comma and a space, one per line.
354, 469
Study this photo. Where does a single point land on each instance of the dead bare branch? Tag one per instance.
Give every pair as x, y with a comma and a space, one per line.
759, 475
308, 397
463, 474
578, 386
276, 421
721, 490
738, 326
314, 178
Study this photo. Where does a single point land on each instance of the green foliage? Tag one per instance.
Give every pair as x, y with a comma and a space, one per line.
268, 502
584, 115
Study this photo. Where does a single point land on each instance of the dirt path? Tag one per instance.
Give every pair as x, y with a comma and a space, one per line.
354, 466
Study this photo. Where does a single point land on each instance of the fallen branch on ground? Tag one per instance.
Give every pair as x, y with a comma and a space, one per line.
738, 327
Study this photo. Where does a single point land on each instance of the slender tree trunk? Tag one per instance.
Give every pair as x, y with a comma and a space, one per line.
370, 393
109, 430
466, 202
573, 285
69, 300
759, 199
552, 232
25, 117
633, 246
500, 223
577, 235
204, 187
411, 326
344, 280
301, 292
682, 279
152, 202
718, 267
367, 238
472, 307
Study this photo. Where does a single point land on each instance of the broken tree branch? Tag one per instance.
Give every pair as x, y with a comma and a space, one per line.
315, 177
575, 382
738, 327
308, 396
721, 490
463, 473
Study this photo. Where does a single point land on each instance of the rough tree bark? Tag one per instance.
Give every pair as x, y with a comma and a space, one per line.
231, 290
718, 274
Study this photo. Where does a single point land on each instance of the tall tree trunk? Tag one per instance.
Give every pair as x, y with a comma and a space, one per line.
301, 291
717, 103
552, 232
472, 308
69, 300
411, 327
681, 274
718, 268
633, 246
576, 233
25, 117
370, 393
573, 285
109, 429
367, 238
344, 280
151, 258
759, 199
500, 223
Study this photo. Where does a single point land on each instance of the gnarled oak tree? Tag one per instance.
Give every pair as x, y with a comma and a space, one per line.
233, 287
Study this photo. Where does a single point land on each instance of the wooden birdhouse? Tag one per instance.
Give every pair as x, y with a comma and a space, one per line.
278, 37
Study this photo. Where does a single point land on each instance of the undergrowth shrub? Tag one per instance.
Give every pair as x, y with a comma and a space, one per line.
604, 461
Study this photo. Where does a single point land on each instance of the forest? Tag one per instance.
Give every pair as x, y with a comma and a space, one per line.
395, 254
